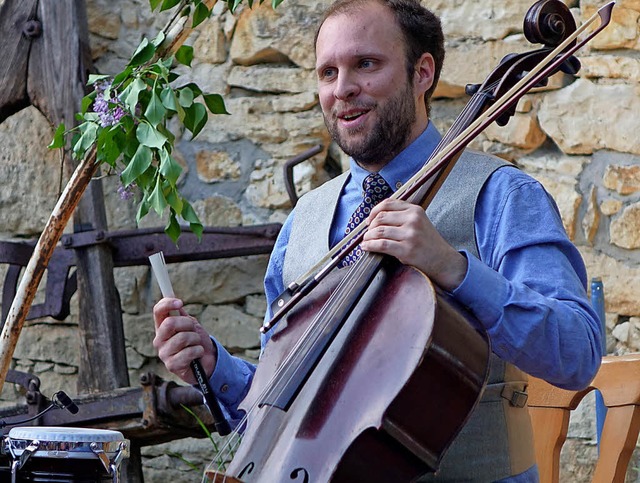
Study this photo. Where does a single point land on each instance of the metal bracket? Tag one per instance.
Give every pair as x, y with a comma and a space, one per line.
288, 171
129, 248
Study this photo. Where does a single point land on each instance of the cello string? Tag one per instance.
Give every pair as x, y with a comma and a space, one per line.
310, 336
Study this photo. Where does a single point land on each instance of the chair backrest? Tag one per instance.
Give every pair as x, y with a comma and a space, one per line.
619, 382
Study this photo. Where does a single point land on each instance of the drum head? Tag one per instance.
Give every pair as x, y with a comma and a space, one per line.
62, 442
52, 433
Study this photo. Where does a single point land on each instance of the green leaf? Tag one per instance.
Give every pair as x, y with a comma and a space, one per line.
174, 200
194, 88
91, 117
171, 138
119, 78
168, 98
173, 228
275, 3
58, 138
189, 214
93, 78
169, 168
139, 163
154, 4
158, 39
88, 137
185, 97
184, 55
144, 53
146, 181
150, 136
155, 110
215, 103
108, 145
87, 101
131, 94
197, 229
195, 119
157, 199
200, 14
167, 4
143, 209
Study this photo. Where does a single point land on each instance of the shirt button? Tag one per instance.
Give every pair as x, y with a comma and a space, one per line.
224, 388
398, 185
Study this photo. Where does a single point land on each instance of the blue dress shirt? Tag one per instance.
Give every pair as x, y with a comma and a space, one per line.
527, 290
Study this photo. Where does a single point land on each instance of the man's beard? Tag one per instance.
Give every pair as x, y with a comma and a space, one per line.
386, 138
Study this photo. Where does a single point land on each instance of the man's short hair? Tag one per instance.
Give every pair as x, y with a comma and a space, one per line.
421, 28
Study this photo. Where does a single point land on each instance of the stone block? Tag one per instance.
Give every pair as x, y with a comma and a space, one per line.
30, 173
233, 328
625, 228
623, 179
621, 280
585, 117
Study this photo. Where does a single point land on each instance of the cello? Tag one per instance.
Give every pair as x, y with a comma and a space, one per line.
327, 403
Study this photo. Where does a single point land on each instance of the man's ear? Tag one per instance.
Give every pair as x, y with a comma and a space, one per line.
424, 73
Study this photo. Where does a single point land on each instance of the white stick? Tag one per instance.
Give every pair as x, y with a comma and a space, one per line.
162, 276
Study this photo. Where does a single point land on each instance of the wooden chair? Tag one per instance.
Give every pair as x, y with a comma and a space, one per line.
619, 382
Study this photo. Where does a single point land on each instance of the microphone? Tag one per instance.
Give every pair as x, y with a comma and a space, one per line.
59, 400
63, 401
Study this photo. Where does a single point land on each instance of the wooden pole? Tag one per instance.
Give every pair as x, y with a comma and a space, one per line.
40, 258
176, 33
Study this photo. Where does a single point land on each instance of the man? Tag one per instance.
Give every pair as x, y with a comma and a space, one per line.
498, 245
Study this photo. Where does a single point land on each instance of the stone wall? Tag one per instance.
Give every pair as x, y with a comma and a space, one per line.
578, 136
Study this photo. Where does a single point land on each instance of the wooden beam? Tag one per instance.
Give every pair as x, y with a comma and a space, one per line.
14, 17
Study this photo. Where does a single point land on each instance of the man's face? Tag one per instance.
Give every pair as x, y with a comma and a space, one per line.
369, 104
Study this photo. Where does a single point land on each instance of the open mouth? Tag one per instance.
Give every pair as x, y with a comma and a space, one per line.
352, 115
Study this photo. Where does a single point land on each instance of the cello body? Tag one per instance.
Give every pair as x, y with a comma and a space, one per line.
385, 400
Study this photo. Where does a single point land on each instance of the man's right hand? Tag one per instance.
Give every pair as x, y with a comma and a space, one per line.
180, 339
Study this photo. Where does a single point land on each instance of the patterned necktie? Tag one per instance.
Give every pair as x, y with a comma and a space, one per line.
376, 189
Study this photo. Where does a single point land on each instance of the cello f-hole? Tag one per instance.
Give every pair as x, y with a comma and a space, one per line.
296, 473
247, 470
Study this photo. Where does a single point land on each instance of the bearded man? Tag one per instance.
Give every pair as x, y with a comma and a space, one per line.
492, 238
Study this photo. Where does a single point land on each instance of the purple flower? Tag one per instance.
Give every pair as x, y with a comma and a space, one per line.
126, 192
109, 109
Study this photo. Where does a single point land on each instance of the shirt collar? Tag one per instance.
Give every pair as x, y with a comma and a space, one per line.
404, 165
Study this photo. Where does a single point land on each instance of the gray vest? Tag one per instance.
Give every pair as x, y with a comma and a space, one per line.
496, 442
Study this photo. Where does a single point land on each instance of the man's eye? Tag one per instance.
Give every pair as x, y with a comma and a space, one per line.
327, 73
365, 64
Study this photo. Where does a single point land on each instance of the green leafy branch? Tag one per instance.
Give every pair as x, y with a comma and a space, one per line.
125, 118
129, 128
199, 9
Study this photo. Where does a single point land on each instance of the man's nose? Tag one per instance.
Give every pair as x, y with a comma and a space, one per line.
346, 87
